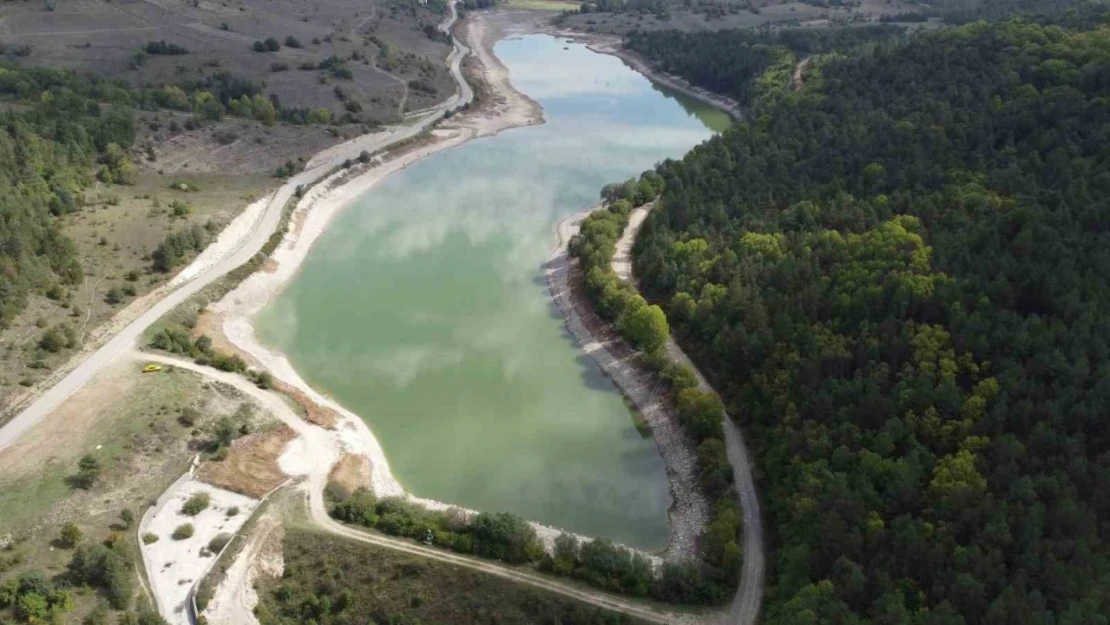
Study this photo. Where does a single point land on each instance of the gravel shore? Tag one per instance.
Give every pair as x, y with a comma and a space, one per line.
689, 512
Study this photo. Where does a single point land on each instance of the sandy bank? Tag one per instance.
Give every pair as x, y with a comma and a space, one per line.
508, 109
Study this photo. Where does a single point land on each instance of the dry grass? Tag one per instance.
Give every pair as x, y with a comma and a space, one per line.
251, 465
311, 411
103, 37
129, 422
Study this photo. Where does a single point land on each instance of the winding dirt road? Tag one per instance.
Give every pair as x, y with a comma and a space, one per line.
317, 168
321, 445
749, 596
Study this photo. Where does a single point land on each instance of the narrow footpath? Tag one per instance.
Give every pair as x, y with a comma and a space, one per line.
746, 604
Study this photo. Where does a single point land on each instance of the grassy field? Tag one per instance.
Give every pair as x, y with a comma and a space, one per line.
115, 232
359, 581
130, 423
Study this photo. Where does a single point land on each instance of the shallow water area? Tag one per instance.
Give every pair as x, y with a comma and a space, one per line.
423, 307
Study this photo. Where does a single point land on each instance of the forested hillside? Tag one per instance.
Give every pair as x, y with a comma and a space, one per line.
897, 277
52, 136
730, 61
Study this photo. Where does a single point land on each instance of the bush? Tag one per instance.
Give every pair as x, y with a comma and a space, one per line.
503, 536
196, 504
183, 532
292, 41
149, 539
161, 47
103, 568
218, 542
70, 536
233, 511
88, 472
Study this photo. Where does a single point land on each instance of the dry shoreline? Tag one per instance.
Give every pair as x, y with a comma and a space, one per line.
502, 107
510, 109
689, 511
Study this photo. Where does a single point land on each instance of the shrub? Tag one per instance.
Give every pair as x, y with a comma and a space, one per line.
218, 542
70, 536
88, 472
233, 511
149, 539
197, 503
104, 568
183, 532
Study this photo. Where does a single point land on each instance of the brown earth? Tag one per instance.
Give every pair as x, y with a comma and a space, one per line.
251, 466
351, 473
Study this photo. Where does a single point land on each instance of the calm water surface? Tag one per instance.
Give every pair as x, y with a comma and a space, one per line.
423, 307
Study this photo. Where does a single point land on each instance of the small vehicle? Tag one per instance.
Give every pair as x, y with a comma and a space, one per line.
151, 368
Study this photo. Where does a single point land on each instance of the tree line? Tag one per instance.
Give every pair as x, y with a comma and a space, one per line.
896, 278
731, 61
646, 329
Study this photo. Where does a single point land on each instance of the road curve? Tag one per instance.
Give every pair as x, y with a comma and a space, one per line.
318, 445
318, 167
749, 596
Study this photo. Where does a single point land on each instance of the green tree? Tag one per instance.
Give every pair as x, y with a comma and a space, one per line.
646, 328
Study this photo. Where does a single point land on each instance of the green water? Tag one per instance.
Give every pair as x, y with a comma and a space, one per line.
423, 307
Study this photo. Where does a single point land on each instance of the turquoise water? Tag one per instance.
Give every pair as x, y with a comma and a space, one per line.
423, 307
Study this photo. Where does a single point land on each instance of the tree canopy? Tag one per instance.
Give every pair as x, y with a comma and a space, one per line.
896, 276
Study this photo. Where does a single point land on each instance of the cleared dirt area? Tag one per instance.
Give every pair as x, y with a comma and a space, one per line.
351, 473
174, 562
136, 427
251, 466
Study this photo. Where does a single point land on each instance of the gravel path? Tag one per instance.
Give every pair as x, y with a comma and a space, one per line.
749, 596
689, 512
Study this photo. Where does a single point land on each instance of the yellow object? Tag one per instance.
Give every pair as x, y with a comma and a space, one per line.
151, 368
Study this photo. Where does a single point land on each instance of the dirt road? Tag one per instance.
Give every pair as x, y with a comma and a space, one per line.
749, 596
319, 445
317, 168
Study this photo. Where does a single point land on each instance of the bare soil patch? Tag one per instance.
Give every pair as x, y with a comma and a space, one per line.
251, 467
351, 473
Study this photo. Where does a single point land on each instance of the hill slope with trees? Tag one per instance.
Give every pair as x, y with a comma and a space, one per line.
896, 276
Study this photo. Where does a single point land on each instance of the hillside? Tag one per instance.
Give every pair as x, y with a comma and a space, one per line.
895, 275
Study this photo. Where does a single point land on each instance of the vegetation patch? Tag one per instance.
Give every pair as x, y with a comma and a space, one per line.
337, 581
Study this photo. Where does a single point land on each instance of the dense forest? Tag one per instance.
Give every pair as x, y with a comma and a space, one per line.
965, 11
896, 277
731, 61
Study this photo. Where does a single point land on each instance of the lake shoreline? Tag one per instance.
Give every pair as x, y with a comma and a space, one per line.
613, 46
689, 510
503, 108
499, 107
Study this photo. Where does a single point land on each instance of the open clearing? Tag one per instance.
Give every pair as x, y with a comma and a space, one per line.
135, 425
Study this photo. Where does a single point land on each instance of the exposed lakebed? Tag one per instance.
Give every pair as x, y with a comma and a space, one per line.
423, 308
